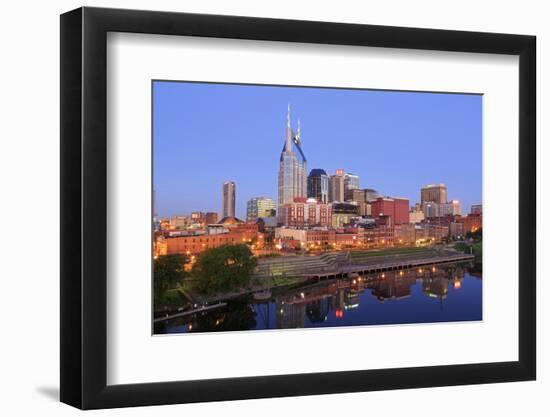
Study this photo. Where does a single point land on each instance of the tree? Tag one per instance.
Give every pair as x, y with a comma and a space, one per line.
168, 273
476, 236
223, 268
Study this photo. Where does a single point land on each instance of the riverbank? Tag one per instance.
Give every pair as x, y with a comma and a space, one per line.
283, 273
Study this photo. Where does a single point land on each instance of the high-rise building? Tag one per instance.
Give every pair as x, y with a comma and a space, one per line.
336, 190
292, 167
260, 207
433, 193
228, 199
317, 185
351, 181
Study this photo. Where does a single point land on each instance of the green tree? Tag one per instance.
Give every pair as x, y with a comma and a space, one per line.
223, 268
168, 273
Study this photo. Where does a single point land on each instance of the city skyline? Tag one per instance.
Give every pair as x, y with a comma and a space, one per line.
201, 142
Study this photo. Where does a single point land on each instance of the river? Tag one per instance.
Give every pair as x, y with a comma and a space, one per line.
442, 293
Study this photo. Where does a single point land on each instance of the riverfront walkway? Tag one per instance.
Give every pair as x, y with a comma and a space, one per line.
391, 265
341, 264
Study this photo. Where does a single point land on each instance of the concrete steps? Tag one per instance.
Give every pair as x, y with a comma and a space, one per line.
296, 265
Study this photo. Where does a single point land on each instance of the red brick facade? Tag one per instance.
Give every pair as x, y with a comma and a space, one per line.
396, 208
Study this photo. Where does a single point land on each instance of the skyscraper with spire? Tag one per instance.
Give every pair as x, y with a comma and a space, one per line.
292, 167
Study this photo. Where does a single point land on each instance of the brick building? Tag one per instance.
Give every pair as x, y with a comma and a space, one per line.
304, 212
396, 208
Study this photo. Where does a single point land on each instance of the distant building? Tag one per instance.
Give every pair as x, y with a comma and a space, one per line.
266, 223
258, 207
364, 209
228, 199
396, 208
197, 243
336, 191
199, 218
351, 182
305, 212
355, 194
431, 231
476, 209
178, 222
363, 198
434, 193
451, 208
471, 222
416, 216
380, 234
430, 209
456, 229
371, 195
343, 213
292, 180
318, 185
404, 234
210, 217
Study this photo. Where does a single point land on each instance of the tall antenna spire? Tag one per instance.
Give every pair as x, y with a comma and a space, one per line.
288, 142
288, 116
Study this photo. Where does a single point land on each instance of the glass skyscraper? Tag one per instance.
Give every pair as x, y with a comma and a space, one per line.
292, 167
317, 185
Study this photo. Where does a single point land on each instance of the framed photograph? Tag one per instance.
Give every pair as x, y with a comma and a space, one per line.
260, 208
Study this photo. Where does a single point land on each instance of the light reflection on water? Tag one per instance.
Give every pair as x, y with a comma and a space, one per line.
445, 293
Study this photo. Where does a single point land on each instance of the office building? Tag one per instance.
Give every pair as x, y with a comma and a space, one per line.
433, 193
317, 185
292, 179
337, 187
351, 182
258, 207
228, 199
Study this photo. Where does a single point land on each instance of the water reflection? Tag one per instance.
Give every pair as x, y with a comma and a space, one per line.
435, 294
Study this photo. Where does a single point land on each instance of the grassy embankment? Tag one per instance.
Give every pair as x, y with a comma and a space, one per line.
390, 252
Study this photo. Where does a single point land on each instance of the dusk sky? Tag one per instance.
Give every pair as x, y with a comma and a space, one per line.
397, 142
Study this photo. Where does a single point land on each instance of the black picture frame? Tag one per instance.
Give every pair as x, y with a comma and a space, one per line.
84, 207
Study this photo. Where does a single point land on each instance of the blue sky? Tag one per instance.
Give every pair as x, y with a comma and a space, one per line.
205, 134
